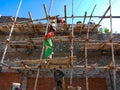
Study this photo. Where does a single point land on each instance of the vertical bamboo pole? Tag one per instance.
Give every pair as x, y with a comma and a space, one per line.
86, 52
72, 34
112, 48
47, 16
65, 14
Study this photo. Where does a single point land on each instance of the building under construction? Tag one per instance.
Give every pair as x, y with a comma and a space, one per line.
89, 59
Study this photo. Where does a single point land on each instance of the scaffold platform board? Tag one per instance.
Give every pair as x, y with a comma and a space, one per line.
63, 62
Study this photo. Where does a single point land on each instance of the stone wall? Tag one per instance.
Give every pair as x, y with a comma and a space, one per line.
61, 49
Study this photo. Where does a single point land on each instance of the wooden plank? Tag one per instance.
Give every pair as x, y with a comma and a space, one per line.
54, 61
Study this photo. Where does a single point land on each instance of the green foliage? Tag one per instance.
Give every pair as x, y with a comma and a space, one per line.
103, 30
106, 31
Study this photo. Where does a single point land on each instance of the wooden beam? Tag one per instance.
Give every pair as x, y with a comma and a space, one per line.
54, 61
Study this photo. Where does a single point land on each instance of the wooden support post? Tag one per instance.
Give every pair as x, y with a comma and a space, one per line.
84, 17
65, 14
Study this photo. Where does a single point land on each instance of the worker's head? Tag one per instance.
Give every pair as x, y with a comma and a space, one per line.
49, 35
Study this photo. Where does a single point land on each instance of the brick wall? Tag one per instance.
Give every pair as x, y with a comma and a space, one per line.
48, 83
6, 79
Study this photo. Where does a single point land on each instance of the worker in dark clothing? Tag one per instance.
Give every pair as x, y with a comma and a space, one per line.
58, 75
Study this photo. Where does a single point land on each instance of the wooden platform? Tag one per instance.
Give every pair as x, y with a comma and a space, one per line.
64, 62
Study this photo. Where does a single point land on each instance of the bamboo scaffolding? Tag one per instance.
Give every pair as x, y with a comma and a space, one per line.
92, 44
28, 21
67, 62
37, 28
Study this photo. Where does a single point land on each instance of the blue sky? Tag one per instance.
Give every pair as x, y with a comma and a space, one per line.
9, 8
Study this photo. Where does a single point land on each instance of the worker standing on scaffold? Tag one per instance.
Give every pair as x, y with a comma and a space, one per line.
49, 41
49, 45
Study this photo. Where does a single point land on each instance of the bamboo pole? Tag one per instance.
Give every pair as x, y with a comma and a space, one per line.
71, 47
11, 31
84, 17
86, 51
32, 23
43, 42
112, 48
102, 17
65, 14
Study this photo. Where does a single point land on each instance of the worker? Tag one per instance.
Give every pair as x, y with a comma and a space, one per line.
49, 45
91, 22
58, 76
53, 23
16, 86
